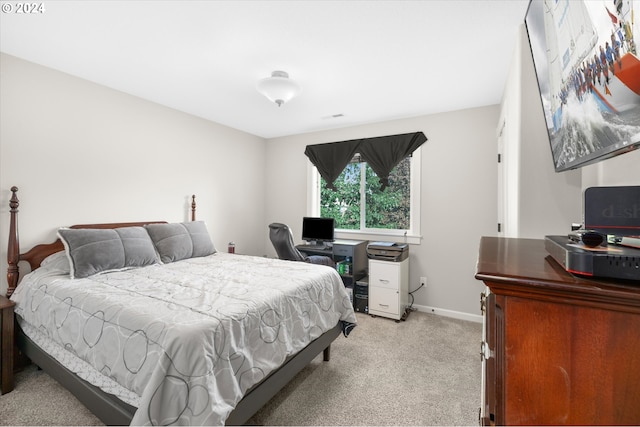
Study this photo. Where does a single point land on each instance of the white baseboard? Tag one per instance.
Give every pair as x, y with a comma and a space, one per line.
449, 313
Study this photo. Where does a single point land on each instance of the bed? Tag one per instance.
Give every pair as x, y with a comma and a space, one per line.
186, 335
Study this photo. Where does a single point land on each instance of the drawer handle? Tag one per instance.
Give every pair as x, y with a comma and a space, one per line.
485, 351
383, 305
384, 280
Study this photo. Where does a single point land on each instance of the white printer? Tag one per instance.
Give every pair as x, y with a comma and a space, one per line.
388, 251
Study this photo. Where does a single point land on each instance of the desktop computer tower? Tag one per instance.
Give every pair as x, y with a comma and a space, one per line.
361, 295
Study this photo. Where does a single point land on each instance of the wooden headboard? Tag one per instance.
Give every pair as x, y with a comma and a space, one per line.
38, 253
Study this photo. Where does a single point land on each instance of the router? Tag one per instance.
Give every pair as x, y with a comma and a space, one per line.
608, 262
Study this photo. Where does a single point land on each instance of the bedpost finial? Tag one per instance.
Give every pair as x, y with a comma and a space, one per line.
14, 202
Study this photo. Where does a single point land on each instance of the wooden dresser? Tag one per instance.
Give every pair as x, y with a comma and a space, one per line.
557, 349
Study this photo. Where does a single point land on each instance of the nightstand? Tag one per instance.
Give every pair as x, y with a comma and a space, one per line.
6, 344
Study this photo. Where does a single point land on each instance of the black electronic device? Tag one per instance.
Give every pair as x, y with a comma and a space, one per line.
589, 238
317, 229
608, 262
361, 295
613, 210
388, 251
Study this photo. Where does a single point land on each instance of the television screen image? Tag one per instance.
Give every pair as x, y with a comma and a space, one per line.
586, 61
318, 229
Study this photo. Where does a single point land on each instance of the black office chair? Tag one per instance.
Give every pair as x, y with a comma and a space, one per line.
282, 239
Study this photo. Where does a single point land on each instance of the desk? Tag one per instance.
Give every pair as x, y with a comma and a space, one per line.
557, 349
316, 250
340, 250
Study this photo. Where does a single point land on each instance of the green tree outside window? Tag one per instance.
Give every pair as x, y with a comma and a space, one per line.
388, 209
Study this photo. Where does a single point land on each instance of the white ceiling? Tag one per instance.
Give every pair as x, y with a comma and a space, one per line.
366, 60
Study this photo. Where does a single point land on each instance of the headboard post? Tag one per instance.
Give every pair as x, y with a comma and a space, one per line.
13, 251
193, 207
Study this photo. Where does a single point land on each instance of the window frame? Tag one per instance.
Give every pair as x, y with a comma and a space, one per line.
412, 235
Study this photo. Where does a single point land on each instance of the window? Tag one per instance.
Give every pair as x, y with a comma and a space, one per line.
359, 206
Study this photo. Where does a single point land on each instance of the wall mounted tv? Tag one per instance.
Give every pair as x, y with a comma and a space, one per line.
318, 229
585, 55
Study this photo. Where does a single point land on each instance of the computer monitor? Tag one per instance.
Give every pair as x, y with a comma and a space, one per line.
317, 229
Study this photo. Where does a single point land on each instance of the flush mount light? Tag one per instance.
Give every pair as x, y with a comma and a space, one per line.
278, 88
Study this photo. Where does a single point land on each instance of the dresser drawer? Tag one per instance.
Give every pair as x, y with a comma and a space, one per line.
384, 274
384, 300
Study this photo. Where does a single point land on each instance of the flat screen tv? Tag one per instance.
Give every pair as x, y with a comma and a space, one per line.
318, 229
586, 62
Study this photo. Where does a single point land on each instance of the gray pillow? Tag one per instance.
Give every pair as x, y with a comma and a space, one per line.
92, 251
181, 240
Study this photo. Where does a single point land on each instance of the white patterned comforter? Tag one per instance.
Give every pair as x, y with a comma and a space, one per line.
182, 342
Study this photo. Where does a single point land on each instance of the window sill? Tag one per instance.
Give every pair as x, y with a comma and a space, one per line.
379, 237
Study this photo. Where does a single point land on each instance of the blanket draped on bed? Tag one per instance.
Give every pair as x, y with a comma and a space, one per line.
182, 342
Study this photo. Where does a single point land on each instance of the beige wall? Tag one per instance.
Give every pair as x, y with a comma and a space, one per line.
620, 170
80, 152
538, 201
84, 153
458, 199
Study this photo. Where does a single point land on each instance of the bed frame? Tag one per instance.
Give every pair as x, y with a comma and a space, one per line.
108, 408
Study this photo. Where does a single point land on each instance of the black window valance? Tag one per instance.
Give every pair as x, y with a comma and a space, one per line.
381, 153
332, 158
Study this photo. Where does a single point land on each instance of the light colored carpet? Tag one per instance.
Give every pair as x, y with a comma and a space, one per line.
424, 371
39, 400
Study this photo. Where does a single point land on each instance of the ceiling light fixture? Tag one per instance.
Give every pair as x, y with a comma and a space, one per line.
278, 88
